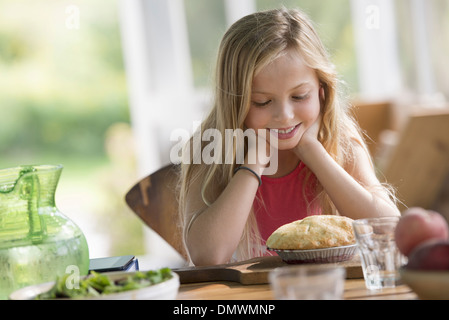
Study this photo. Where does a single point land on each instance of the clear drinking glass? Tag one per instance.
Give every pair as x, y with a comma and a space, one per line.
379, 254
308, 282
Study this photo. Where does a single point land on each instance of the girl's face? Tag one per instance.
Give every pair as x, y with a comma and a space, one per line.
285, 99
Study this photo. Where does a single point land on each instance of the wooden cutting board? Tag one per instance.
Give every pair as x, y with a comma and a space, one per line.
254, 271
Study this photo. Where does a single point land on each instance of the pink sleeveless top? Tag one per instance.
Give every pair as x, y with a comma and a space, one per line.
282, 200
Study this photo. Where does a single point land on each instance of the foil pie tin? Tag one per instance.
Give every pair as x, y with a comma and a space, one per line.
325, 255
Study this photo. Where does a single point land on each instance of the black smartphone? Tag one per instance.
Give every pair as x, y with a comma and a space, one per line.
121, 263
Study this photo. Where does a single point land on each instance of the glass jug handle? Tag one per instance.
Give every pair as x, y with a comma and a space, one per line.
30, 191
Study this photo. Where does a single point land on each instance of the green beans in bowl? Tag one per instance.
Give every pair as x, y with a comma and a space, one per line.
150, 285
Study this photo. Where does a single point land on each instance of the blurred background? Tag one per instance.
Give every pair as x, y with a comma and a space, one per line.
100, 85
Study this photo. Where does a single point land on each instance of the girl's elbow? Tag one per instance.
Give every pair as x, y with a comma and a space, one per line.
207, 261
209, 258
389, 210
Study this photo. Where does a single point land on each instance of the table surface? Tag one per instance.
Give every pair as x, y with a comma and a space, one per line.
225, 287
225, 290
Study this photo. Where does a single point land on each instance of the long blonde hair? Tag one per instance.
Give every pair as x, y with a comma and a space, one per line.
249, 45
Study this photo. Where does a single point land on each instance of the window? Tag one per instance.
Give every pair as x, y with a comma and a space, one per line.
423, 27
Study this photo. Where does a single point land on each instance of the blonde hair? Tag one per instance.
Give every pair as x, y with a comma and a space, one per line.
249, 45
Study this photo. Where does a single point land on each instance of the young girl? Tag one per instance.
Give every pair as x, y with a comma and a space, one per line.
273, 74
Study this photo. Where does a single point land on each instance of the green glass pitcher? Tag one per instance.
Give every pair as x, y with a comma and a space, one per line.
37, 242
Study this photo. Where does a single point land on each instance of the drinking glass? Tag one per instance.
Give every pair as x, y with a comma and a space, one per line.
308, 282
379, 254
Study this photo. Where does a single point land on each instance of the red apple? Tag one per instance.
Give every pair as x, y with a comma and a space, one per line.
418, 225
430, 255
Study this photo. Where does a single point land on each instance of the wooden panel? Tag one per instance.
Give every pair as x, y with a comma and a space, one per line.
420, 161
374, 118
442, 203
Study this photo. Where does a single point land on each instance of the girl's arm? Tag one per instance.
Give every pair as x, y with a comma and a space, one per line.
216, 231
357, 194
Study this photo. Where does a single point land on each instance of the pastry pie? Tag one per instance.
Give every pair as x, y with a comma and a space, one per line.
313, 232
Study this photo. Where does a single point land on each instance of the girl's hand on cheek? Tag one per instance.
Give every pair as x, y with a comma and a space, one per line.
309, 138
258, 150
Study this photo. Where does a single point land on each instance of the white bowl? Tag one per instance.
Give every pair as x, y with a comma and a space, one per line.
166, 290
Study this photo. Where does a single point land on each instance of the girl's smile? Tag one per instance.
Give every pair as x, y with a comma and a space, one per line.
285, 133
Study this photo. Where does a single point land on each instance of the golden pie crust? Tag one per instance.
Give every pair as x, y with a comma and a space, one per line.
313, 232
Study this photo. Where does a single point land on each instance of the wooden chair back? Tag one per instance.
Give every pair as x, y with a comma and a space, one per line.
154, 200
374, 118
419, 164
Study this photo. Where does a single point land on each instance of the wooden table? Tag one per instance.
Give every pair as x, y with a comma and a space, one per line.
248, 280
226, 290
